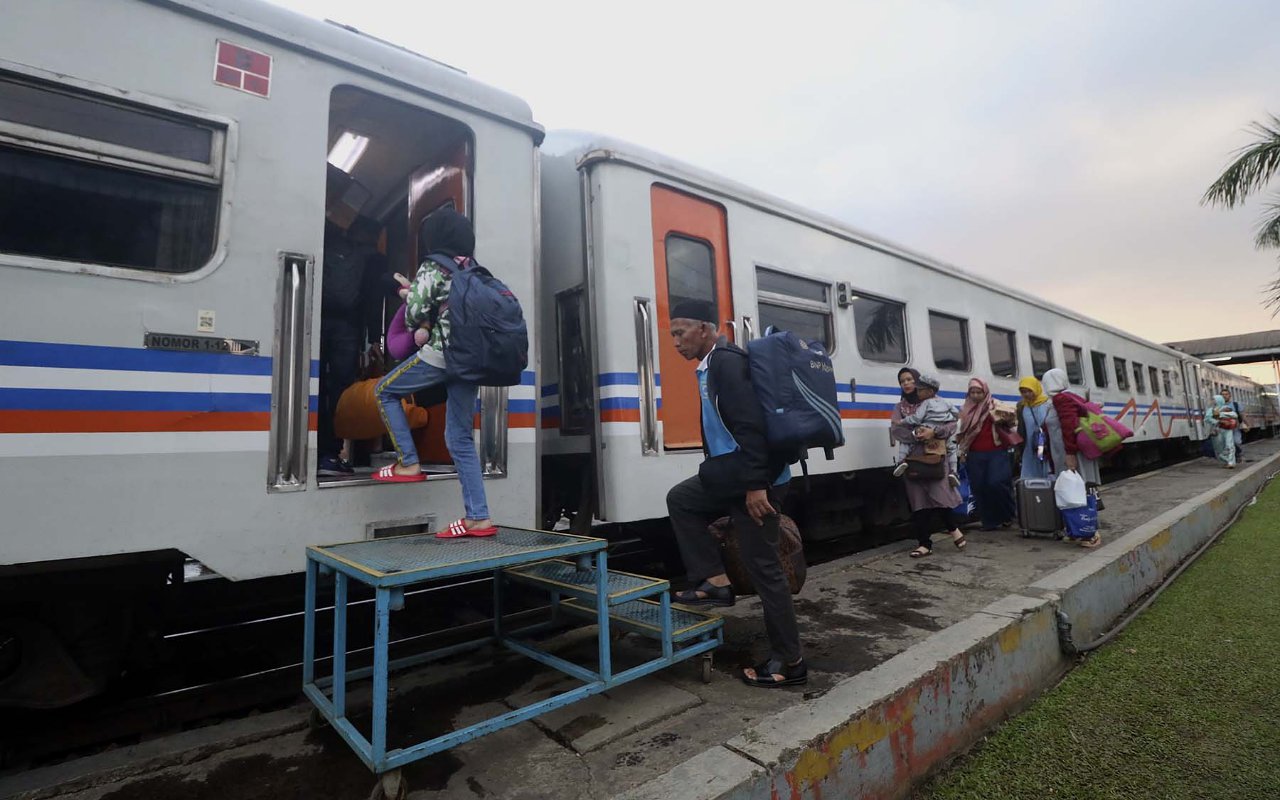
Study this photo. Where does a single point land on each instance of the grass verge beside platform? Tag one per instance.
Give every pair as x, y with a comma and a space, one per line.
1185, 703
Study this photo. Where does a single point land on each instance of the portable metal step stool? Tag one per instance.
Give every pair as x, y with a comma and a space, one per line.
572, 570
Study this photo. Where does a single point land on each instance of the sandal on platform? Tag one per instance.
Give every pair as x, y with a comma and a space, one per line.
960, 543
1092, 542
792, 674
458, 529
388, 474
921, 552
711, 596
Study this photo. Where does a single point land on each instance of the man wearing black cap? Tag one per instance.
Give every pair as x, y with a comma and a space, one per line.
740, 477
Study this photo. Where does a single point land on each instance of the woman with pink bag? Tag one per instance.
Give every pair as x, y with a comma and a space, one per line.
1063, 447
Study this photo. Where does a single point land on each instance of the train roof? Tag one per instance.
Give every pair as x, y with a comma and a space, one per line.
588, 148
361, 52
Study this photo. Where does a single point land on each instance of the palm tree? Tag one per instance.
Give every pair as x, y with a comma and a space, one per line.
1255, 165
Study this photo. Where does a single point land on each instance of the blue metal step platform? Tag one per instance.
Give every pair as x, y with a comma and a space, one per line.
572, 570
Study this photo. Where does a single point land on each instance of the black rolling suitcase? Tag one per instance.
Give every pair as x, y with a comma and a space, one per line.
1037, 508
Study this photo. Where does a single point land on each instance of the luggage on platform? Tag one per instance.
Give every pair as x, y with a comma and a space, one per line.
790, 553
1038, 513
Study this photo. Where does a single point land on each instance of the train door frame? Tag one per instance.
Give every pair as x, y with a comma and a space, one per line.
680, 216
1191, 378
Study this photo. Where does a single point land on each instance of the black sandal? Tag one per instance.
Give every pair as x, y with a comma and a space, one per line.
792, 674
722, 596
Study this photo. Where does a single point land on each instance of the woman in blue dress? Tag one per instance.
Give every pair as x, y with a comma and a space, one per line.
1033, 414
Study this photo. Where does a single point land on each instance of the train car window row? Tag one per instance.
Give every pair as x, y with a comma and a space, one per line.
795, 304
1154, 374
1122, 374
1139, 382
1002, 350
949, 337
1041, 355
91, 180
1099, 369
881, 329
1073, 358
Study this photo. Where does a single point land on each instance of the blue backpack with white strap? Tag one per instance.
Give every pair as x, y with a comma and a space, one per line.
488, 342
796, 385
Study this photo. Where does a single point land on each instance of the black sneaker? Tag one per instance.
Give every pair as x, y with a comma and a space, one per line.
334, 467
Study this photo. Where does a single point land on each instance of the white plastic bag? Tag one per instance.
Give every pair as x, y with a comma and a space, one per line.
1069, 491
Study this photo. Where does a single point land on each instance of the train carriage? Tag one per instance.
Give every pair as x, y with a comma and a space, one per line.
179, 181
628, 233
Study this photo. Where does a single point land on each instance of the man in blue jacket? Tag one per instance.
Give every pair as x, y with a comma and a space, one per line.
740, 477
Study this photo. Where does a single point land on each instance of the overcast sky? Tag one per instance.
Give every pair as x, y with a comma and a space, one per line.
1059, 147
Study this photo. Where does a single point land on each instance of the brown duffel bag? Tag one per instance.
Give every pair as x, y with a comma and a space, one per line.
790, 553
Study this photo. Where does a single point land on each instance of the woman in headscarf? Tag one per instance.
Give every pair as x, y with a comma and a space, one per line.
1033, 412
1223, 438
931, 500
1061, 424
983, 445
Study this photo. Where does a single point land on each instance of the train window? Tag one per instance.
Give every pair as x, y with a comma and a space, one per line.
1073, 358
795, 304
950, 338
1122, 374
1002, 351
881, 328
1154, 374
91, 180
1139, 382
1099, 368
1041, 355
691, 272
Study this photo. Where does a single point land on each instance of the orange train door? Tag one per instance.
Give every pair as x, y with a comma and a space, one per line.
691, 262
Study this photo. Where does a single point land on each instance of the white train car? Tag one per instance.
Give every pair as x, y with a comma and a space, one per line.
627, 233
173, 176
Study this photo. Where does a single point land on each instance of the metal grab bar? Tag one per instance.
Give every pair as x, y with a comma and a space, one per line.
644, 368
748, 328
287, 456
733, 326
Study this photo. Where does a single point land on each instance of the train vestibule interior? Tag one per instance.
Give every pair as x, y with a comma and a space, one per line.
389, 165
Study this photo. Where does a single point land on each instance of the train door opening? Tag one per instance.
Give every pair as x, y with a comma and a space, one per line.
389, 166
691, 262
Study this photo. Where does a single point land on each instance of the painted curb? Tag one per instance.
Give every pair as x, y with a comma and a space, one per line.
876, 734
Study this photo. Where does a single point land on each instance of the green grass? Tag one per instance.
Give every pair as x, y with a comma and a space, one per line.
1185, 703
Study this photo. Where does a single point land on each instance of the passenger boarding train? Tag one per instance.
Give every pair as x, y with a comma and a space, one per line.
196, 197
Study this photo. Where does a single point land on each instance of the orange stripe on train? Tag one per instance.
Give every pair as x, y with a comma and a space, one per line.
137, 421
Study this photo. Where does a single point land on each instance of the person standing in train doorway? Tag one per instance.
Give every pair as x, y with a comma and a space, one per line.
1241, 427
445, 234
740, 477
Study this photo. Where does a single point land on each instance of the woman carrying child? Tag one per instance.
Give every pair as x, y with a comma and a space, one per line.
932, 499
983, 444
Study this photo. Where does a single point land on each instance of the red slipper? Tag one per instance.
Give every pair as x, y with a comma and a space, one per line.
458, 529
388, 474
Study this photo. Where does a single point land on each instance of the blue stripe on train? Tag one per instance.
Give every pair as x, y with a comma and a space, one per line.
132, 359
105, 400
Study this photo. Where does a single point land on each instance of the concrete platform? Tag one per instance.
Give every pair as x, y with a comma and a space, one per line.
911, 661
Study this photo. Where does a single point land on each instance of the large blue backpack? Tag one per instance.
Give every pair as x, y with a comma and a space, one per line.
488, 341
796, 385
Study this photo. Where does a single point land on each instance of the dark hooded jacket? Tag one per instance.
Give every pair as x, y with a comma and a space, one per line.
753, 465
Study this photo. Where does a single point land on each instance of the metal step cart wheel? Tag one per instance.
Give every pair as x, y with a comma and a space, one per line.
391, 786
316, 720
707, 663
